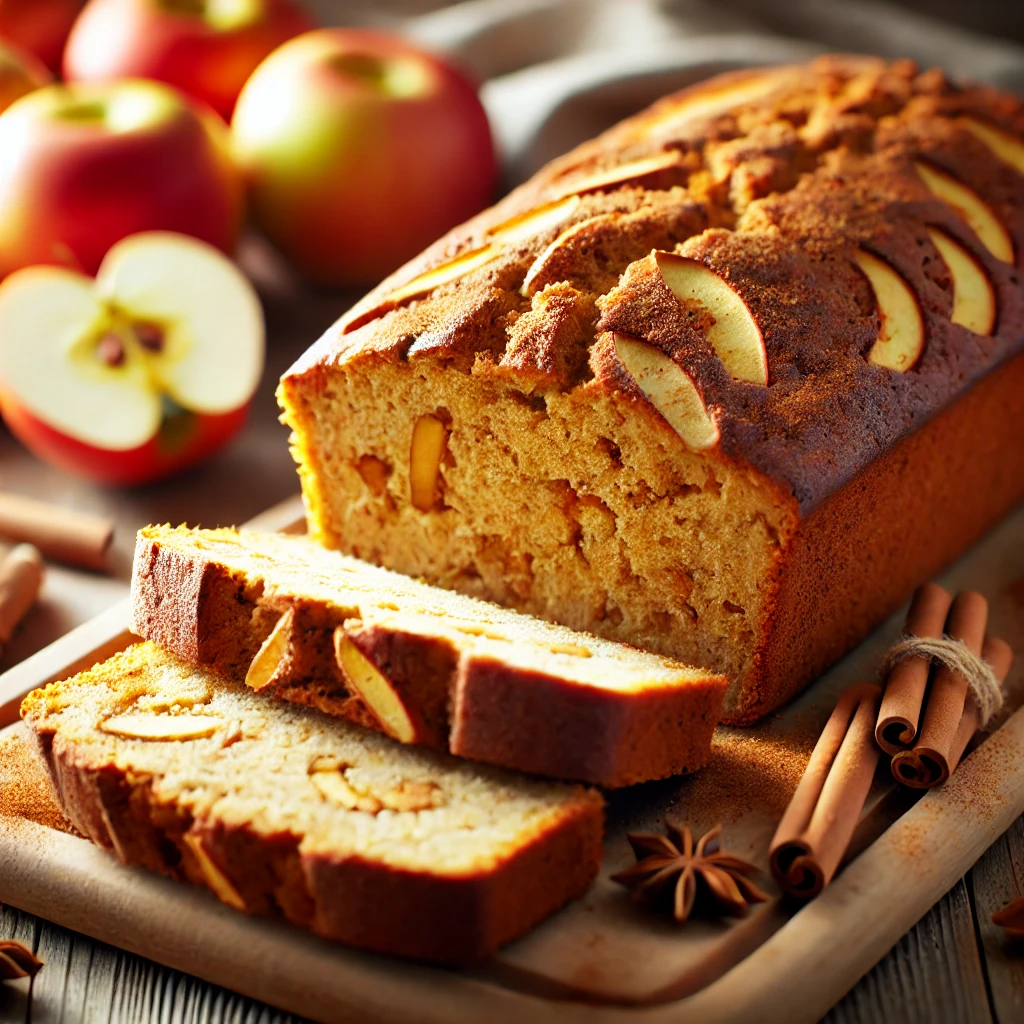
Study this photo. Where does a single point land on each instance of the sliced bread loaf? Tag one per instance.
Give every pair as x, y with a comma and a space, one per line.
283, 811
423, 665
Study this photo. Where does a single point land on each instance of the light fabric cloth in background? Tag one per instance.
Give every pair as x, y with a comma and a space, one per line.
556, 72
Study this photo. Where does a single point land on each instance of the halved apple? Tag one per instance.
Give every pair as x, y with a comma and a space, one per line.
669, 389
974, 298
137, 373
900, 340
734, 335
979, 218
534, 222
426, 282
540, 273
635, 170
1007, 147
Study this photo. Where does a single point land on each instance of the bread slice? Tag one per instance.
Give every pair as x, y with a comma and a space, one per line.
421, 664
285, 812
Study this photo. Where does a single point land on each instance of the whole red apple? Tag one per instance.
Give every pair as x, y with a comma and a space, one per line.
82, 166
360, 150
39, 27
20, 73
206, 50
137, 374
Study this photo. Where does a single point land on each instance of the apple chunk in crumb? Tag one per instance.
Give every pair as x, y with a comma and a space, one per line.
734, 335
371, 686
426, 450
137, 373
972, 208
900, 340
974, 298
669, 389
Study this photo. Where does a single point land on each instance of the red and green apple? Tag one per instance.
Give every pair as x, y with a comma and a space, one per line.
39, 27
359, 150
205, 48
82, 166
20, 73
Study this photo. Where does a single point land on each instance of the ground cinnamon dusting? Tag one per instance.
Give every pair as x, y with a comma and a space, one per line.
748, 769
24, 785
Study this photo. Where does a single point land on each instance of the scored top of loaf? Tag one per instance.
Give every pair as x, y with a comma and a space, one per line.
774, 179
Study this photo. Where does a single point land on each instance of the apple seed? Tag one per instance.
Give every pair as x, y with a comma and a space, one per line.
150, 336
110, 349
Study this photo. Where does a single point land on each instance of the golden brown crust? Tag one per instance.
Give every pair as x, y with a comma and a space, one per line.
788, 184
855, 559
205, 612
440, 917
628, 737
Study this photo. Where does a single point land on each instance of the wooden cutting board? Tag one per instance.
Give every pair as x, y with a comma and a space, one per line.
601, 959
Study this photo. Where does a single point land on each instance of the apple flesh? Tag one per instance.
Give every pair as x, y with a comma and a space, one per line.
1007, 147
136, 374
900, 340
979, 218
359, 151
974, 299
206, 49
734, 335
39, 27
83, 166
670, 389
20, 73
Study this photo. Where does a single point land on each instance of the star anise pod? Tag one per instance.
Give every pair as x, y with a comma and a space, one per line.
1011, 918
17, 961
670, 865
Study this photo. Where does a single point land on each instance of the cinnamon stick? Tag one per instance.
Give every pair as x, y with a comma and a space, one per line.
910, 770
75, 538
21, 577
819, 821
900, 713
934, 756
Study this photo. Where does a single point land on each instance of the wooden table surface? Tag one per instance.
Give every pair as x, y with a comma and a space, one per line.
954, 966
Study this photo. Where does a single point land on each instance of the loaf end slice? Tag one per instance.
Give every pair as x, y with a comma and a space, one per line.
422, 664
284, 812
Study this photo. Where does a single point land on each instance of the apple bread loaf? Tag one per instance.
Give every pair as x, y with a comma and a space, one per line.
725, 383
421, 664
285, 812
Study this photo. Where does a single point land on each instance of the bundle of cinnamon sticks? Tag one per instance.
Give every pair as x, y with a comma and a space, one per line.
942, 684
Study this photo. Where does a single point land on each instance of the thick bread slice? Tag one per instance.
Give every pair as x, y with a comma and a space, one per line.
284, 812
422, 664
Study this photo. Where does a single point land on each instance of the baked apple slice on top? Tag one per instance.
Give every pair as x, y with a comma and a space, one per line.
135, 374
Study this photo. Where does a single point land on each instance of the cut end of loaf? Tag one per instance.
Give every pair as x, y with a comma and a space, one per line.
578, 508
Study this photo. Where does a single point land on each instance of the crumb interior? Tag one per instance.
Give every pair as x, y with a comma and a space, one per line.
254, 770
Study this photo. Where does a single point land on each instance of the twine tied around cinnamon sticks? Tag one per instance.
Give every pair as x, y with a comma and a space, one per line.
943, 682
946, 685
